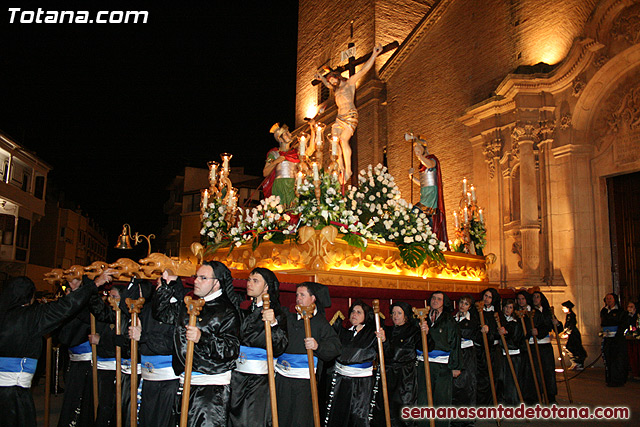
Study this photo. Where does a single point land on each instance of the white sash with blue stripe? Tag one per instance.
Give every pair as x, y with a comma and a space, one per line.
16, 371
295, 365
252, 360
107, 363
157, 368
357, 370
80, 353
198, 378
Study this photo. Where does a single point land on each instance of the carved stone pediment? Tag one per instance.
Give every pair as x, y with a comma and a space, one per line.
618, 121
627, 26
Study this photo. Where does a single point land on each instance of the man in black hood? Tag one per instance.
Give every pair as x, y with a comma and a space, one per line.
22, 326
543, 322
215, 337
492, 304
292, 379
613, 319
444, 351
250, 400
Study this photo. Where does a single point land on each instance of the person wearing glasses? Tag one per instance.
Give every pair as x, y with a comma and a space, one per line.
216, 338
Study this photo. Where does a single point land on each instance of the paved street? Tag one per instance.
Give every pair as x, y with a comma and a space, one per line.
588, 389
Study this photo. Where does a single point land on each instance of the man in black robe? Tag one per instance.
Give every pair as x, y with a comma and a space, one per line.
574, 338
104, 339
22, 325
250, 399
613, 320
443, 337
292, 379
491, 299
215, 338
465, 385
159, 381
77, 404
543, 322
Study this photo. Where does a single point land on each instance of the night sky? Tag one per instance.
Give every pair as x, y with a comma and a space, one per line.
119, 109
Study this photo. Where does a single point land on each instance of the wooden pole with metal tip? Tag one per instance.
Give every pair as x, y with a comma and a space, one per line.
115, 305
564, 367
383, 371
422, 314
508, 356
47, 384
94, 368
480, 308
266, 304
194, 306
306, 312
543, 384
521, 314
134, 305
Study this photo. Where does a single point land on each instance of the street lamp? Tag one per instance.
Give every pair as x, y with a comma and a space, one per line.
124, 240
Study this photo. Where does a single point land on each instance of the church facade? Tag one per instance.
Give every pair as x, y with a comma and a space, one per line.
537, 103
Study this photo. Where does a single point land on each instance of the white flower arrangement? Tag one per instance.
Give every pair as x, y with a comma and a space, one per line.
373, 211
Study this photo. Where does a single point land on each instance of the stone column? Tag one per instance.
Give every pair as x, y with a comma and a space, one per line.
524, 138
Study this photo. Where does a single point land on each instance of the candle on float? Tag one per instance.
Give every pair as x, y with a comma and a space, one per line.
481, 216
466, 215
455, 220
464, 186
303, 145
231, 199
334, 146
205, 199
468, 198
473, 193
299, 180
319, 135
316, 175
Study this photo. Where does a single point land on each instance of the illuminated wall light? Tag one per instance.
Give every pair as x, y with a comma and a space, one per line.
312, 110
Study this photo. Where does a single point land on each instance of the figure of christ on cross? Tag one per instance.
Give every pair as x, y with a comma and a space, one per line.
347, 119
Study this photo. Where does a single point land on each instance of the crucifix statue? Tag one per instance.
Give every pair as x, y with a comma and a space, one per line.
344, 90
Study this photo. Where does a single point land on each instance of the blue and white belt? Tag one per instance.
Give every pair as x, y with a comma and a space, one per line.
609, 331
252, 360
438, 356
17, 371
295, 365
465, 343
357, 370
198, 378
107, 363
157, 368
125, 366
543, 340
511, 352
80, 353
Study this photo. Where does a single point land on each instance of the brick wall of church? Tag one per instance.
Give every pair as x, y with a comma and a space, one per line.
458, 63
